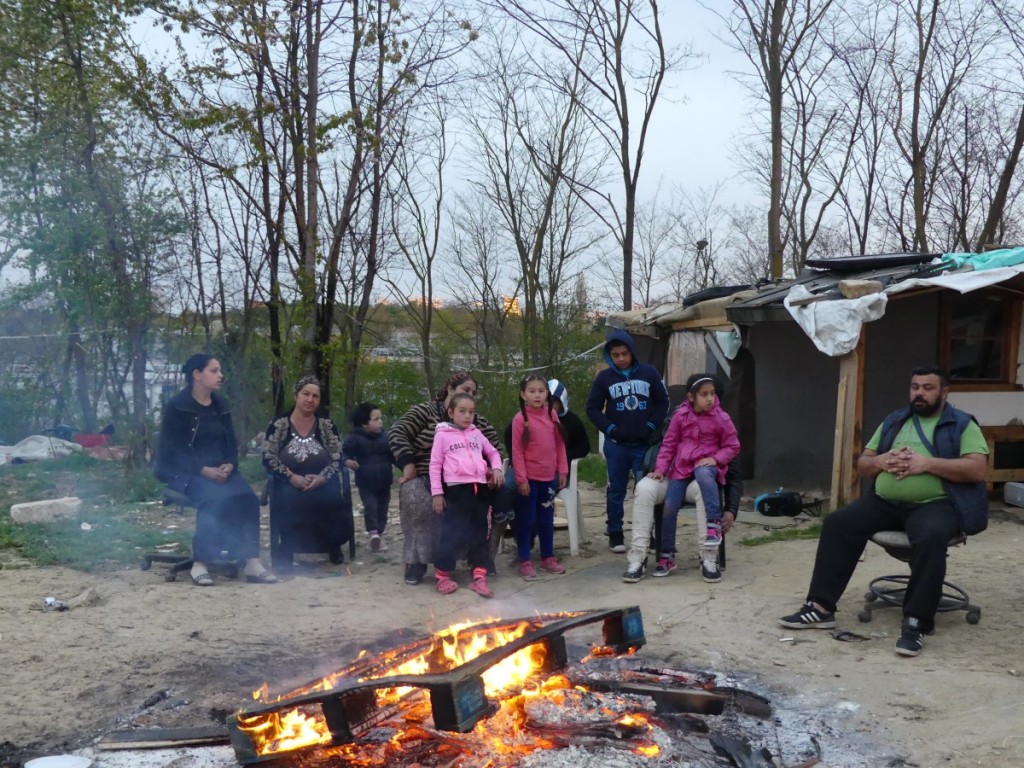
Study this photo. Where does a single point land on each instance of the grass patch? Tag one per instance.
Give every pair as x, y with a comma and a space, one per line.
116, 539
592, 469
121, 509
810, 531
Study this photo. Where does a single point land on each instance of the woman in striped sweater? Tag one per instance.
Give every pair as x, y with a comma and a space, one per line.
411, 438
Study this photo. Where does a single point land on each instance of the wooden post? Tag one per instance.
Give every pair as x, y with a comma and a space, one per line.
849, 427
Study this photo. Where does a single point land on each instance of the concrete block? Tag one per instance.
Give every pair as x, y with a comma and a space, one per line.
1013, 493
46, 511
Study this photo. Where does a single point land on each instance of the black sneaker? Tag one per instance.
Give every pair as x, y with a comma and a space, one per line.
414, 573
911, 637
710, 572
634, 573
616, 542
809, 617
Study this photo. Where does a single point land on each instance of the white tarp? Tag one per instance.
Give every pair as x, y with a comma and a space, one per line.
36, 448
963, 282
834, 324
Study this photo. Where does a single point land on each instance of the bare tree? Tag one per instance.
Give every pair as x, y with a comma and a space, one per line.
314, 101
479, 274
654, 241
773, 36
530, 126
416, 193
618, 48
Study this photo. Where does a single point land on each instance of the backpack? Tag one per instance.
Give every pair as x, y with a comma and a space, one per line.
783, 503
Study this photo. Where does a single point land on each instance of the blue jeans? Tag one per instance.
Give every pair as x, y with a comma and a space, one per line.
622, 459
536, 513
707, 481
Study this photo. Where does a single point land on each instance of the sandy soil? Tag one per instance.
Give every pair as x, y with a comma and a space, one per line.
142, 652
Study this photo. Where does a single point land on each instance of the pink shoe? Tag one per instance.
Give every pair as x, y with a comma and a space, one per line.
480, 587
445, 584
527, 571
552, 565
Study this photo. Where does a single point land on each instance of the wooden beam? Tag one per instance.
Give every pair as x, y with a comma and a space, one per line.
849, 427
161, 738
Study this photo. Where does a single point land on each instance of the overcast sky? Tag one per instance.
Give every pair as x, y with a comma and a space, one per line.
693, 138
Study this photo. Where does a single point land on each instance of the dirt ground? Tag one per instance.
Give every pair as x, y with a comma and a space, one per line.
142, 652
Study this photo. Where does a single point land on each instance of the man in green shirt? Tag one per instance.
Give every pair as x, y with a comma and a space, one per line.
928, 463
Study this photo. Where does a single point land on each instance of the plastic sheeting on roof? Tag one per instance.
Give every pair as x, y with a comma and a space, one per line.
1003, 257
964, 281
834, 325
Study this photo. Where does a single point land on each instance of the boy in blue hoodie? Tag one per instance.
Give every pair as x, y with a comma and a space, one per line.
627, 401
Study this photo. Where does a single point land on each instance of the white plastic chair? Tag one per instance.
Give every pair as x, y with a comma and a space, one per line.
570, 496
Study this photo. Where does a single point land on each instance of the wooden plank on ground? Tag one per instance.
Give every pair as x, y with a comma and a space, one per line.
163, 738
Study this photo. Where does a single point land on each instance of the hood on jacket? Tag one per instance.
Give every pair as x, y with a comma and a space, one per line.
620, 337
558, 390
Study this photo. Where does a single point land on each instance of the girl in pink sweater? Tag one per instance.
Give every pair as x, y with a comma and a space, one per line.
700, 442
463, 467
541, 469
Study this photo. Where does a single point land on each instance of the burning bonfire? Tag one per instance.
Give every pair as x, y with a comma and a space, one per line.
495, 693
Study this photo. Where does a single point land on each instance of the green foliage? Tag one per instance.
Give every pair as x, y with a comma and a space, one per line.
76, 475
395, 385
121, 509
118, 536
22, 410
593, 469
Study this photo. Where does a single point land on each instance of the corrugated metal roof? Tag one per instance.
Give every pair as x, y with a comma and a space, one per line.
764, 303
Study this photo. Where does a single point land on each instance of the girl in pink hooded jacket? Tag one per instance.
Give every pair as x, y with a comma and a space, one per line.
698, 446
464, 466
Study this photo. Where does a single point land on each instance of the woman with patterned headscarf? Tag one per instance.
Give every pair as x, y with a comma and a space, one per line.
198, 456
411, 438
302, 453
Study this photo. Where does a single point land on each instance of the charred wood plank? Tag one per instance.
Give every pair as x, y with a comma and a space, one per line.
161, 738
667, 698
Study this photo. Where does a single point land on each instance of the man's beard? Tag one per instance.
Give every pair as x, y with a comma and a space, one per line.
924, 408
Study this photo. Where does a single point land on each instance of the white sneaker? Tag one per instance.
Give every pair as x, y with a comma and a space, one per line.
710, 571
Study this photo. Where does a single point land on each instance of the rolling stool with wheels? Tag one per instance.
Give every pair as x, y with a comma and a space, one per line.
176, 562
890, 590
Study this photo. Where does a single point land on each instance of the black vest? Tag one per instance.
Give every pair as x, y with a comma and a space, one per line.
970, 500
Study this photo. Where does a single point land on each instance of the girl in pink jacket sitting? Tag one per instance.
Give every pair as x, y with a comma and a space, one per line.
698, 446
463, 466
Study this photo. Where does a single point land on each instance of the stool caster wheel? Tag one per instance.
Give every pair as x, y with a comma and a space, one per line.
145, 563
870, 596
864, 615
974, 616
172, 576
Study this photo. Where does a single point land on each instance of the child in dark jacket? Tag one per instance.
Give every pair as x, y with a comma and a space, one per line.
367, 452
627, 402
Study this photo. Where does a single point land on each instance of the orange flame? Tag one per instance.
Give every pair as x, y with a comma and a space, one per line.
452, 647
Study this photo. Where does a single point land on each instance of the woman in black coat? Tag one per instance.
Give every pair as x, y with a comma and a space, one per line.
197, 455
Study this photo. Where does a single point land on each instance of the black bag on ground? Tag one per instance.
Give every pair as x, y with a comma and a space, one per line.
780, 503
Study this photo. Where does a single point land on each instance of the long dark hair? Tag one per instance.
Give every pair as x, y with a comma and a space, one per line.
522, 405
197, 362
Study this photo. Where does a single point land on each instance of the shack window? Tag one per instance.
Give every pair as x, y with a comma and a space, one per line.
979, 331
